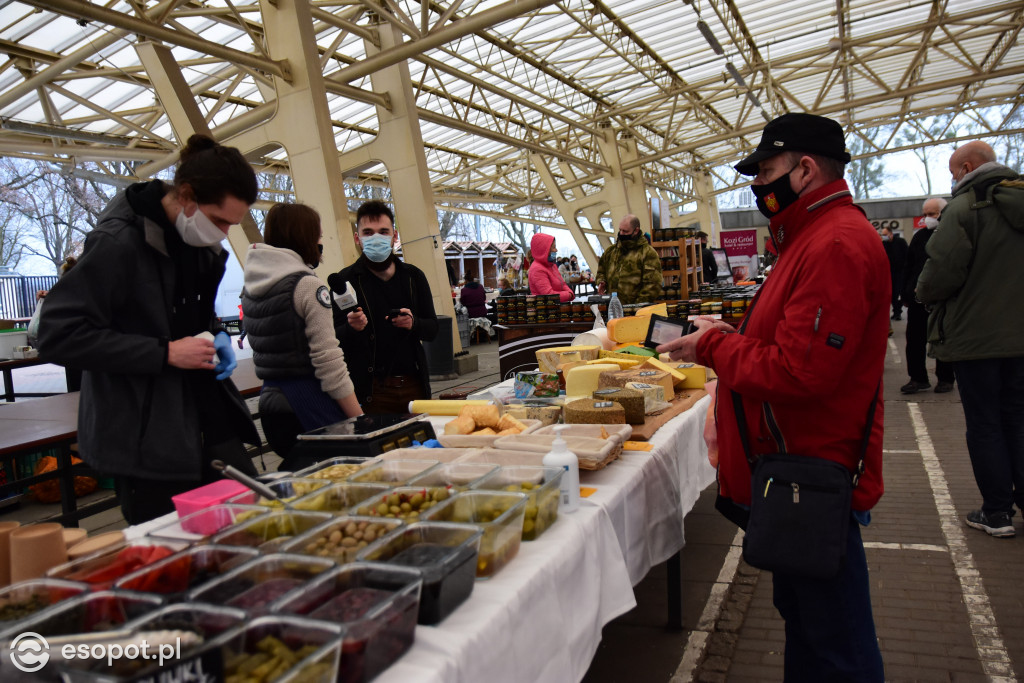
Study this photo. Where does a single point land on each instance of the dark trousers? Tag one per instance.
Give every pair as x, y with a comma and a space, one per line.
830, 631
917, 347
897, 302
992, 393
392, 395
145, 499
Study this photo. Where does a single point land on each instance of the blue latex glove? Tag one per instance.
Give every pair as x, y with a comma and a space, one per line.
227, 364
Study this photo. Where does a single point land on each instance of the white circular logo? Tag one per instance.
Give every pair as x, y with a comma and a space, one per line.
30, 652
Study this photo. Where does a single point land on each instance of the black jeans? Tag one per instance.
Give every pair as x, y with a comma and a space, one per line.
917, 347
992, 392
830, 630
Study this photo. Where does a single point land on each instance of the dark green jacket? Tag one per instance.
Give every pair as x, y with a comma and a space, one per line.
633, 270
974, 279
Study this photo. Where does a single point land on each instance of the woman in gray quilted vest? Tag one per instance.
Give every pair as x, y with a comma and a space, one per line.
287, 317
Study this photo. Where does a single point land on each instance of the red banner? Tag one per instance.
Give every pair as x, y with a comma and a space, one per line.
741, 246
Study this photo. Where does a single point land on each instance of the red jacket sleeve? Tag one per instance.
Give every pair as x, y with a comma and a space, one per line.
541, 283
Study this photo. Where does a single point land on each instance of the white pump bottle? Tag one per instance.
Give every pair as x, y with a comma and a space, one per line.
561, 456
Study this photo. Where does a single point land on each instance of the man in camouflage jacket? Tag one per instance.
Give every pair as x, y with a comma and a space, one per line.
630, 267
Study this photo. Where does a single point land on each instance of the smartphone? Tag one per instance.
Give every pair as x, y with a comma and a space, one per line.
395, 313
663, 330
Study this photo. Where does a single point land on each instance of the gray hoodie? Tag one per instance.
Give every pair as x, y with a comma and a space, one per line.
265, 266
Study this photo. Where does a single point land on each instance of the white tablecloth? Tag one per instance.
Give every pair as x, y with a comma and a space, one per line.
540, 618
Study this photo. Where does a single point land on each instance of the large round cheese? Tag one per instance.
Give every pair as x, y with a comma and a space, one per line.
630, 399
590, 411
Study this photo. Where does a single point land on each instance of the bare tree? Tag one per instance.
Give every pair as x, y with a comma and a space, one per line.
14, 177
866, 174
931, 130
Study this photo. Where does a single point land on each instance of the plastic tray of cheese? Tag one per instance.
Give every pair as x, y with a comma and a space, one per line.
593, 453
481, 440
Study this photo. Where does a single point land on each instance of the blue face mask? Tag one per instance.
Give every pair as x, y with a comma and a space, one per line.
552, 257
376, 247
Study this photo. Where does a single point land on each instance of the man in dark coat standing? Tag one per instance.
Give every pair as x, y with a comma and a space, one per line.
896, 250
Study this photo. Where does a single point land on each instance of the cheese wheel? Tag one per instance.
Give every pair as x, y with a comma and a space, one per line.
589, 411
583, 380
549, 359
630, 399
617, 378
632, 329
653, 394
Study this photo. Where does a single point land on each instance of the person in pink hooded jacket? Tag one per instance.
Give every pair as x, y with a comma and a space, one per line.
544, 275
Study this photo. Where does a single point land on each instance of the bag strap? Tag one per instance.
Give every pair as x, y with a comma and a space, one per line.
741, 420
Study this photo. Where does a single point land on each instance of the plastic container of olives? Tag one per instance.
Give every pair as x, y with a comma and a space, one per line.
341, 539
256, 584
377, 604
457, 476
199, 526
287, 489
268, 532
540, 484
86, 613
28, 598
445, 556
191, 568
338, 496
336, 469
284, 648
405, 502
498, 513
393, 472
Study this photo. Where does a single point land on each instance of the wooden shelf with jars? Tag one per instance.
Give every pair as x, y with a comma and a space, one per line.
681, 268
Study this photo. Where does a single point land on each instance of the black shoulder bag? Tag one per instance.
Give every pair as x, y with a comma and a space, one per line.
799, 504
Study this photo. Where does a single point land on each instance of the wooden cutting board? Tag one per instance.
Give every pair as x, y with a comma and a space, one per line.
682, 402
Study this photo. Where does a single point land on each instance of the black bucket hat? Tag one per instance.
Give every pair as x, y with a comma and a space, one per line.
797, 132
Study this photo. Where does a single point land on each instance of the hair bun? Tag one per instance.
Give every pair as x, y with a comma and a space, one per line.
198, 142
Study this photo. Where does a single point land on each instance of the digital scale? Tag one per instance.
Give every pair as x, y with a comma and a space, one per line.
366, 436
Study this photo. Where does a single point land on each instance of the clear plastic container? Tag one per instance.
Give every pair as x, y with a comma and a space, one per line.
456, 476
393, 472
200, 526
315, 646
435, 454
404, 502
191, 568
336, 469
338, 496
378, 606
444, 555
341, 539
103, 568
196, 628
28, 598
503, 457
272, 530
255, 585
497, 513
540, 484
86, 613
287, 489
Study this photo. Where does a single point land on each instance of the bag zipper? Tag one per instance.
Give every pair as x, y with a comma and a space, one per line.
773, 427
796, 487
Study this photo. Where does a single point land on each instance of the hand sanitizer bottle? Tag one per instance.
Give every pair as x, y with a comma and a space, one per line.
561, 456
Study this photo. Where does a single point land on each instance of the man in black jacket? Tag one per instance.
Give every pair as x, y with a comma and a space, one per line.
382, 336
896, 251
917, 316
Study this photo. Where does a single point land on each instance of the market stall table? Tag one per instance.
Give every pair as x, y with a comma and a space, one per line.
7, 368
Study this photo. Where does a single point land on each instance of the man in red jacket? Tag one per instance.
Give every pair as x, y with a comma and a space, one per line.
810, 360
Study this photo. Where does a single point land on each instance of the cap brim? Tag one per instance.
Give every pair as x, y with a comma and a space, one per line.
749, 165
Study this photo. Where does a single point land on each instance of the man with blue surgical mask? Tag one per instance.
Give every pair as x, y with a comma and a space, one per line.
382, 336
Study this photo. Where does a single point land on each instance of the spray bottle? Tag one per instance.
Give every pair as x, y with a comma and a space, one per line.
561, 456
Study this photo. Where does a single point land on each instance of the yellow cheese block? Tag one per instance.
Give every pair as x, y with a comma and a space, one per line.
646, 375
623, 363
582, 380
549, 359
633, 329
653, 394
442, 407
696, 375
656, 309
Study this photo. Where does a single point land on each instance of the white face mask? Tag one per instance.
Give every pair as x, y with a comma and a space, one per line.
198, 230
930, 222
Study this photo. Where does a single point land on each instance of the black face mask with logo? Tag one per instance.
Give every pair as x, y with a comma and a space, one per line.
774, 197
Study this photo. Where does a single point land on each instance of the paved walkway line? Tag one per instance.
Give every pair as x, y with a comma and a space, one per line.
988, 641
876, 545
896, 358
890, 450
695, 644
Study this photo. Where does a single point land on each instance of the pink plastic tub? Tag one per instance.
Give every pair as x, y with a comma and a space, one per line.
205, 496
